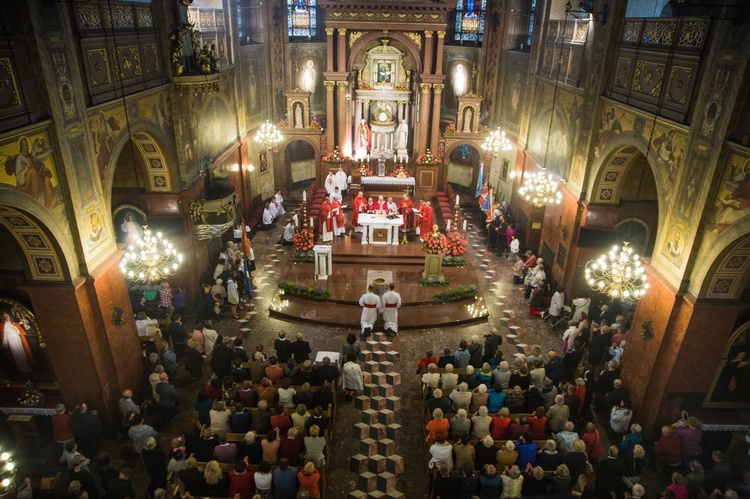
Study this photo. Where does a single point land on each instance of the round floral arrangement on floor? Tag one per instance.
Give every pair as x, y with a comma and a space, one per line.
455, 249
434, 242
303, 242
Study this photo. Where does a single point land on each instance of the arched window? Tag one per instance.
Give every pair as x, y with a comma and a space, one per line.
532, 19
470, 20
302, 17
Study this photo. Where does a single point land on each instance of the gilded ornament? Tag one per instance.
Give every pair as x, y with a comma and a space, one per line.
354, 36
415, 37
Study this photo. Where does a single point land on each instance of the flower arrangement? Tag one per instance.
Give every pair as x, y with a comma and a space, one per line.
31, 397
401, 87
455, 294
434, 242
454, 261
364, 171
483, 130
283, 123
365, 85
305, 291
434, 281
335, 156
314, 125
450, 129
455, 244
400, 173
304, 240
426, 158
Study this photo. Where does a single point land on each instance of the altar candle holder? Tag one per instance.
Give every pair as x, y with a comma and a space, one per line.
303, 211
456, 216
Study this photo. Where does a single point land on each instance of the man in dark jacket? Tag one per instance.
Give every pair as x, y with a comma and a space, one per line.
178, 334
554, 367
446, 359
87, 428
608, 474
599, 346
475, 352
718, 477
221, 363
283, 348
492, 342
120, 488
327, 372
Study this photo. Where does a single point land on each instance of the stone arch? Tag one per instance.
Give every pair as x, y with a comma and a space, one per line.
48, 252
362, 43
608, 171
540, 128
147, 141
449, 148
727, 264
313, 141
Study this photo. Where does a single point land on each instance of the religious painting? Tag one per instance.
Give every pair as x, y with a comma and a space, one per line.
384, 73
263, 161
668, 147
457, 67
731, 386
675, 245
504, 170
310, 75
86, 188
129, 221
733, 199
94, 227
24, 352
30, 167
103, 135
216, 129
560, 260
516, 71
162, 113
552, 142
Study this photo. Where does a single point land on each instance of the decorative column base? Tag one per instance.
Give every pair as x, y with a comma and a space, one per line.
433, 266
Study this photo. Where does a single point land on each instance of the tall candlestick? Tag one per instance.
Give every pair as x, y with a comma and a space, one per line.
457, 199
304, 196
311, 221
464, 225
448, 225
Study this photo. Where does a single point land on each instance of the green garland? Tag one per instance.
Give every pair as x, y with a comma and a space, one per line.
434, 281
454, 261
305, 291
303, 256
455, 294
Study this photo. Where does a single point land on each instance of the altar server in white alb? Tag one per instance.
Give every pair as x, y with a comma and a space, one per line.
389, 306
340, 180
370, 303
392, 208
330, 183
277, 200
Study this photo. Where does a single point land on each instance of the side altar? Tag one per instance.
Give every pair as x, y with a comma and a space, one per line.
380, 229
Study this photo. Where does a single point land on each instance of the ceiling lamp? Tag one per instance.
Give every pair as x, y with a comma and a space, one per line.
7, 474
540, 189
495, 142
150, 259
619, 274
269, 134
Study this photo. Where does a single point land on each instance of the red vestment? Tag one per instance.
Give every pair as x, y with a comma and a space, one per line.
360, 206
405, 208
370, 207
326, 217
378, 206
425, 226
338, 213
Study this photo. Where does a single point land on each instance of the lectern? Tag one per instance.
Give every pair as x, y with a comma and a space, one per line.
323, 261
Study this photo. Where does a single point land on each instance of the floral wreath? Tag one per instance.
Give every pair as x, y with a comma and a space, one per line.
455, 244
434, 242
303, 240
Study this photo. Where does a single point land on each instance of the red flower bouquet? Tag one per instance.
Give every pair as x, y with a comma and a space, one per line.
427, 159
365, 172
483, 130
304, 240
455, 244
450, 129
365, 85
434, 242
400, 173
314, 125
335, 157
401, 87
283, 124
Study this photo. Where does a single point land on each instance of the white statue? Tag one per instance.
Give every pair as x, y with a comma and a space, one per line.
298, 122
468, 115
402, 135
308, 77
459, 80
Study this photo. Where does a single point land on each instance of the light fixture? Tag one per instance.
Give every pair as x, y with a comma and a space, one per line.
7, 474
151, 258
269, 135
586, 8
496, 141
540, 189
618, 274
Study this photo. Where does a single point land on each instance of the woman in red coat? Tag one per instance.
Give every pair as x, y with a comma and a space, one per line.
538, 423
241, 480
668, 449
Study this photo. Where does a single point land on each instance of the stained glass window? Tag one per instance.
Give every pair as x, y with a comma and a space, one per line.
532, 19
470, 20
301, 17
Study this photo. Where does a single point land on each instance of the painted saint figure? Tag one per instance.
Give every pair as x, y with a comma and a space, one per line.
14, 339
308, 77
459, 80
402, 135
736, 205
364, 136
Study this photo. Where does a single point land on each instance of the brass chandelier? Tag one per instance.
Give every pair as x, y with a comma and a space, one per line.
495, 142
540, 189
618, 274
269, 134
151, 258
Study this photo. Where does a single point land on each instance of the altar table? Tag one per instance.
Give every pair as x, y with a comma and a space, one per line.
389, 181
379, 229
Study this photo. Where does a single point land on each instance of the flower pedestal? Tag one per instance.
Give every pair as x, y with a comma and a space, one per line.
433, 266
323, 261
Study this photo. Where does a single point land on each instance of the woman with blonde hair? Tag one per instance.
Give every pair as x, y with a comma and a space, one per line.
593, 442
480, 423
506, 455
633, 466
308, 481
512, 483
219, 416
479, 398
431, 379
314, 447
549, 458
461, 397
437, 426
558, 415
449, 379
217, 484
561, 480
484, 376
460, 424
300, 418
536, 354
576, 460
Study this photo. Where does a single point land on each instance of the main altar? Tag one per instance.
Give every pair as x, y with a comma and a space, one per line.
380, 229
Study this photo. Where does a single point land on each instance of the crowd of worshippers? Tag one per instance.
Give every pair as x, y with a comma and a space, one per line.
520, 425
259, 426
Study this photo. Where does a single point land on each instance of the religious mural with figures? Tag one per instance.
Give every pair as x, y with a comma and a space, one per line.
255, 78
29, 166
23, 351
514, 84
732, 202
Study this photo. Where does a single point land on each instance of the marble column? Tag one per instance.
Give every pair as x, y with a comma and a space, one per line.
424, 117
342, 108
330, 115
341, 66
439, 53
435, 128
427, 52
329, 49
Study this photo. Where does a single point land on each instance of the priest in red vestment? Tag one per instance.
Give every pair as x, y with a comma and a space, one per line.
380, 206
339, 227
405, 209
326, 221
370, 205
428, 220
360, 206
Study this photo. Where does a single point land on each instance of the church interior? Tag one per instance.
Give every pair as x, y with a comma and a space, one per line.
497, 162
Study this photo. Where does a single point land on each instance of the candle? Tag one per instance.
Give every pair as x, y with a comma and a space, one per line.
456, 199
311, 221
448, 225
304, 196
464, 225
368, 157
296, 221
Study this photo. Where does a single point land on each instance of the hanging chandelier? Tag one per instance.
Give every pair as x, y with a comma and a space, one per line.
540, 189
495, 142
269, 134
7, 474
151, 258
619, 274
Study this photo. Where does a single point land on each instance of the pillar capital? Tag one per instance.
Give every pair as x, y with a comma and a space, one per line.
329, 31
428, 34
342, 84
342, 31
441, 34
330, 85
425, 87
438, 87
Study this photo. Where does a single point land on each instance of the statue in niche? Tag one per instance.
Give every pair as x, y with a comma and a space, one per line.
402, 135
298, 121
468, 116
459, 80
364, 136
308, 77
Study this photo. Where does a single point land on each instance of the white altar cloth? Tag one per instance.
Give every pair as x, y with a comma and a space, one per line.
373, 223
374, 180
